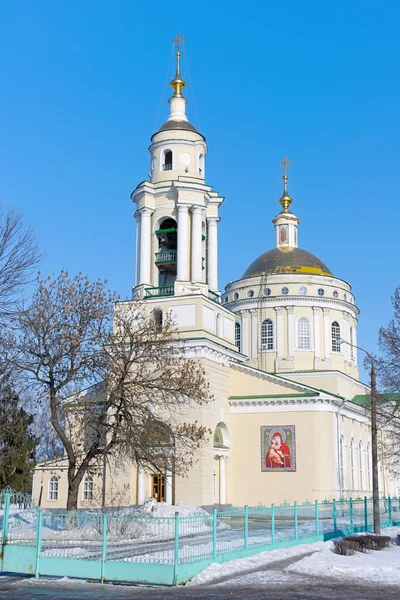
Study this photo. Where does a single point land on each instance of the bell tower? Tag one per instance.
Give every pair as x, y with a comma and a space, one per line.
176, 211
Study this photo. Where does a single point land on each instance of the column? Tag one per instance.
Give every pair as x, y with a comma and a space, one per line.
196, 244
141, 490
145, 245
168, 486
355, 340
254, 333
345, 334
183, 246
212, 253
244, 345
137, 248
327, 334
279, 331
290, 317
317, 350
222, 480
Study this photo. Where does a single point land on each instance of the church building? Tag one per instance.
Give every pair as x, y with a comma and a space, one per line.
277, 346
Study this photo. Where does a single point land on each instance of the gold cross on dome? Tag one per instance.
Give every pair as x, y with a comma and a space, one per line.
178, 40
285, 162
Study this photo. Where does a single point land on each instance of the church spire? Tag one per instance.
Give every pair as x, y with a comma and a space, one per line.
178, 102
286, 223
285, 199
178, 84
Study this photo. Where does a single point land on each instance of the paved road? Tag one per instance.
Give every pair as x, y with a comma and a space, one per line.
273, 583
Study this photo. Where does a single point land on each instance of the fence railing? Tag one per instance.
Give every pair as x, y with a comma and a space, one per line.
130, 545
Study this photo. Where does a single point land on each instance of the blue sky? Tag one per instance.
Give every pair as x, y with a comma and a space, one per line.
82, 92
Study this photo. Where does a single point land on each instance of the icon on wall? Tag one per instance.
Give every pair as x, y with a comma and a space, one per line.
278, 448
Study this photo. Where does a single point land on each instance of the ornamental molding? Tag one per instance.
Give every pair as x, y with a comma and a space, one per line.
271, 378
211, 351
311, 301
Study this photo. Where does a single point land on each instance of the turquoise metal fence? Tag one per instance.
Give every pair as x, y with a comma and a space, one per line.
132, 546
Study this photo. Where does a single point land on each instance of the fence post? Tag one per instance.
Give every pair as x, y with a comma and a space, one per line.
176, 548
246, 527
104, 547
5, 518
390, 511
351, 515
214, 533
316, 518
365, 513
38, 540
296, 528
334, 516
273, 524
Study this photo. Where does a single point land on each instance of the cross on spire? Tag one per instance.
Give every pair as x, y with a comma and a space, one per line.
285, 162
178, 40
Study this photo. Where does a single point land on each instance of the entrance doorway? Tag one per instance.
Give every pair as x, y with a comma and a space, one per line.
158, 487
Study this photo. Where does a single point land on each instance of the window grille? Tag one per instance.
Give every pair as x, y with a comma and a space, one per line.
267, 335
342, 462
360, 454
88, 488
53, 488
335, 328
303, 334
352, 464
237, 335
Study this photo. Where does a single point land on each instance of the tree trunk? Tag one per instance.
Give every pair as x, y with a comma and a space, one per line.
73, 491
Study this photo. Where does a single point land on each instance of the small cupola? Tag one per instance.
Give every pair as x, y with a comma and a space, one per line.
286, 223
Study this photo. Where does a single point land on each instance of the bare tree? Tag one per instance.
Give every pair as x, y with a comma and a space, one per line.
139, 384
389, 377
19, 254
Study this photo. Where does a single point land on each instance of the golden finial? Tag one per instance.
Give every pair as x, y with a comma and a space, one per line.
285, 199
178, 84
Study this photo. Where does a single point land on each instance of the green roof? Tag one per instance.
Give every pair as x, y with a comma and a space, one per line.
365, 399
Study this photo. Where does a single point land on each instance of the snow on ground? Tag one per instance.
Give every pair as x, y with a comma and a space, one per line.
233, 567
375, 566
381, 566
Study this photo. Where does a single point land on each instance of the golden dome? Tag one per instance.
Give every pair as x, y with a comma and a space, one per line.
291, 261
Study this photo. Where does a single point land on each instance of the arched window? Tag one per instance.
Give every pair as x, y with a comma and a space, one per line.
369, 466
267, 335
201, 164
351, 344
335, 329
167, 166
341, 452
237, 335
88, 488
157, 316
361, 465
303, 334
353, 464
219, 325
221, 436
53, 488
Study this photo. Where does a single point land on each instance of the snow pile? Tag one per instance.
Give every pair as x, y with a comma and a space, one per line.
239, 565
381, 566
162, 509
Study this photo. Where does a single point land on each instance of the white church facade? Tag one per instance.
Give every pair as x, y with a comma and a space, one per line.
277, 347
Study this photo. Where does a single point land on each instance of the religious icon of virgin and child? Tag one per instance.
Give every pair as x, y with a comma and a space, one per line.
277, 443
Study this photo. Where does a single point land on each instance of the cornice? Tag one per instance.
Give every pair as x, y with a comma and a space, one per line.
272, 378
311, 301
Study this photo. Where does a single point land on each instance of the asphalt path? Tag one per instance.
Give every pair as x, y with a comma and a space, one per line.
271, 582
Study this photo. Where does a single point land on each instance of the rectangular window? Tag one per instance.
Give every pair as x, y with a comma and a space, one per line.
53, 489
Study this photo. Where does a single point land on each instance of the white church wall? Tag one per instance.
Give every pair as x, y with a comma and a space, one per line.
314, 448
208, 318
184, 315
